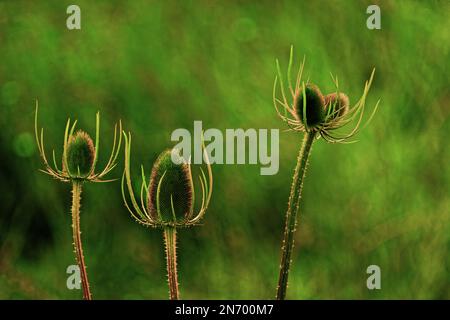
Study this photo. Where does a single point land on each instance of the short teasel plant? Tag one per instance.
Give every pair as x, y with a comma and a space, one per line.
79, 159
310, 112
167, 201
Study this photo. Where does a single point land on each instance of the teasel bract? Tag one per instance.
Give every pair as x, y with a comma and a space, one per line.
79, 160
315, 115
167, 201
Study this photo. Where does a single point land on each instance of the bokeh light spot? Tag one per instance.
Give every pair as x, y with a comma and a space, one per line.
24, 145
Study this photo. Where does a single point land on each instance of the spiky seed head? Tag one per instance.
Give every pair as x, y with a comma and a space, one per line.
80, 155
175, 183
337, 104
315, 112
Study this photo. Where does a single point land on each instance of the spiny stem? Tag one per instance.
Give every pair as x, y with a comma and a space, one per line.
76, 198
170, 240
291, 214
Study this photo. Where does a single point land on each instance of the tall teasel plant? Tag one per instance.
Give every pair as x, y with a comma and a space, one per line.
315, 115
167, 201
79, 160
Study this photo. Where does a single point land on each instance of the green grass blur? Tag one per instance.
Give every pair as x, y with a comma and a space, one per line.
160, 65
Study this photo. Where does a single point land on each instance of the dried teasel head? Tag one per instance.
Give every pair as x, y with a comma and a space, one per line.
171, 188
169, 199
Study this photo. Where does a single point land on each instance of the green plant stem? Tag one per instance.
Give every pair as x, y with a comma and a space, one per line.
76, 198
292, 212
170, 240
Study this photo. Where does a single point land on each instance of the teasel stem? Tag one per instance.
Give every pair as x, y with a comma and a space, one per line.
292, 212
170, 240
76, 199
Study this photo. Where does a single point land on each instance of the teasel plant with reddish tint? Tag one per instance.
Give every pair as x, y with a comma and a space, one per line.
79, 160
167, 202
316, 116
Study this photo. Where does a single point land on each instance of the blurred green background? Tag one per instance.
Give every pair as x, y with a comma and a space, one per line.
160, 65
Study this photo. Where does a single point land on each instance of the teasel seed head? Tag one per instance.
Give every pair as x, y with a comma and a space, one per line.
169, 199
80, 155
170, 188
336, 104
309, 111
309, 106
